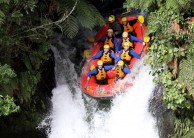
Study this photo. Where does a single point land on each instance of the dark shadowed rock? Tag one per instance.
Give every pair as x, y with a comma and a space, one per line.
164, 117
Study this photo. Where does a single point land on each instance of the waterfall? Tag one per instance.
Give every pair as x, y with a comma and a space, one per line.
74, 115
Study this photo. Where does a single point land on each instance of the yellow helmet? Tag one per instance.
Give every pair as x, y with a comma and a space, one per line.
127, 44
124, 19
111, 18
106, 46
125, 34
146, 39
141, 19
120, 63
100, 63
110, 30
92, 67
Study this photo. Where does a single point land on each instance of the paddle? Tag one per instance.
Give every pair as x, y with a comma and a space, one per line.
141, 20
86, 85
86, 53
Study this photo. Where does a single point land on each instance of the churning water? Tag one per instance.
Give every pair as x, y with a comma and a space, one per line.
76, 116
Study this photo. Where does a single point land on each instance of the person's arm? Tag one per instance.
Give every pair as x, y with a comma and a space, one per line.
119, 57
126, 70
117, 45
94, 71
98, 55
109, 67
133, 38
133, 53
114, 56
102, 39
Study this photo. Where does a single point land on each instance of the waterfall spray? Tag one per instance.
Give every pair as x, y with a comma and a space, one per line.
127, 117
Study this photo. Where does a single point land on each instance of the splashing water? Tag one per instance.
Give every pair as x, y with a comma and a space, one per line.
128, 116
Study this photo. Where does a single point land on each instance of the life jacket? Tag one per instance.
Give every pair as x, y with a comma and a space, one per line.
119, 72
106, 57
125, 55
128, 28
109, 41
127, 40
101, 75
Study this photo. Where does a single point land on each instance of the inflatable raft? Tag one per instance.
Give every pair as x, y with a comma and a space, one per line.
95, 90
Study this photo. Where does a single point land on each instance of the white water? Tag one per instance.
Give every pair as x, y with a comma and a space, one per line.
128, 116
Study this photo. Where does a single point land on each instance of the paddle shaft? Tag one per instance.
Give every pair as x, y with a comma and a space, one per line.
142, 38
86, 84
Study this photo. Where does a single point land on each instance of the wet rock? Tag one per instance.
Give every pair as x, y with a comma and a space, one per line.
164, 117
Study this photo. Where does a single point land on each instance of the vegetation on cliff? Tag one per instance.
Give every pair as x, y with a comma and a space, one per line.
26, 27
171, 24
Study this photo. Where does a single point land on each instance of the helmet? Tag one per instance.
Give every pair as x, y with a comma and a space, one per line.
126, 44
100, 63
125, 34
106, 46
111, 18
92, 67
141, 19
124, 19
120, 63
110, 30
146, 39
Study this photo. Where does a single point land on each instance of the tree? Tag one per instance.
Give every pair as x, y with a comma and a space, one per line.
25, 29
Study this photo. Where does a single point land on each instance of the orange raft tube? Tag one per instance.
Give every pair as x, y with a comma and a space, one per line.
111, 89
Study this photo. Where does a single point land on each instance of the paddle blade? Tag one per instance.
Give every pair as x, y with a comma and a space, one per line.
86, 53
91, 39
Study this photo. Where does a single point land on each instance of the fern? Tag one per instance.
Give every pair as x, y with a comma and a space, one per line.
173, 4
88, 15
85, 14
4, 1
2, 16
70, 27
186, 73
139, 4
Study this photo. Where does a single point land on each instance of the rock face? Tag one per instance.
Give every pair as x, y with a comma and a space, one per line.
164, 117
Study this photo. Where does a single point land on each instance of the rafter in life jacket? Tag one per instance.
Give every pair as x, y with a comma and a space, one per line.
125, 55
119, 72
106, 57
109, 41
101, 75
127, 40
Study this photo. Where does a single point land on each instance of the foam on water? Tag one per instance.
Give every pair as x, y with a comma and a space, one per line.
128, 116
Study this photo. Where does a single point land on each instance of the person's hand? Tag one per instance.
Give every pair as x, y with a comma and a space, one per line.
117, 53
95, 43
89, 59
143, 43
116, 33
113, 68
88, 78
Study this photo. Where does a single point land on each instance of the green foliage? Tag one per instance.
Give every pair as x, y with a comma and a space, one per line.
171, 44
7, 106
28, 83
6, 73
85, 14
141, 4
2, 16
4, 1
186, 74
183, 128
171, 55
